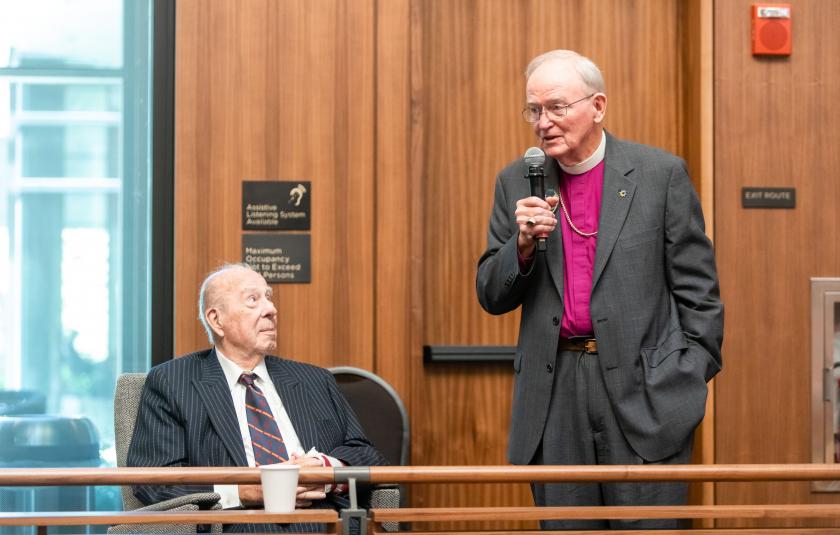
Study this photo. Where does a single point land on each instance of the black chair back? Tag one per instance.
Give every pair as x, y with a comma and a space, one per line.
379, 409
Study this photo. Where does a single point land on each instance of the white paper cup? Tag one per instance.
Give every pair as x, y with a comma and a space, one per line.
279, 486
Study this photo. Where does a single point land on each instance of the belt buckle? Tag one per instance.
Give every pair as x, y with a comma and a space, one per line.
590, 346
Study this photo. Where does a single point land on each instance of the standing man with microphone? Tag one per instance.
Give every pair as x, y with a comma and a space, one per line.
622, 322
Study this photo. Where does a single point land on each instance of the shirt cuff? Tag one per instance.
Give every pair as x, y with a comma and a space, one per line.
524, 262
329, 461
229, 495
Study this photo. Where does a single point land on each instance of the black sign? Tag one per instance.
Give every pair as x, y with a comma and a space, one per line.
768, 197
276, 205
278, 258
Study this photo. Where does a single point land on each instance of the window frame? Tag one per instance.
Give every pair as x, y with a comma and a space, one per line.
163, 182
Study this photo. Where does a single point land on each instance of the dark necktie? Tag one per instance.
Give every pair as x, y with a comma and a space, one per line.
265, 434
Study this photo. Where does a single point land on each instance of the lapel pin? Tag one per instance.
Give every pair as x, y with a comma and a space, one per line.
622, 193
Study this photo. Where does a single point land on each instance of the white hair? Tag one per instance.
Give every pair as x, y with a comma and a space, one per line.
202, 295
589, 73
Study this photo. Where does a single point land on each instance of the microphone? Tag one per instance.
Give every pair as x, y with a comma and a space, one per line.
535, 158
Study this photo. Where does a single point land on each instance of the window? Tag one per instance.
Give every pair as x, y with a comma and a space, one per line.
825, 376
75, 205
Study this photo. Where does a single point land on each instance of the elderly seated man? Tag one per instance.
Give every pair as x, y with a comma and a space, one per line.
236, 405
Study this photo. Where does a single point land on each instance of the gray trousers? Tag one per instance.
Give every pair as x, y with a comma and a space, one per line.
581, 428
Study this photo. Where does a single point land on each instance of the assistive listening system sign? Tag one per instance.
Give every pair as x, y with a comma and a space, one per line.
274, 205
279, 258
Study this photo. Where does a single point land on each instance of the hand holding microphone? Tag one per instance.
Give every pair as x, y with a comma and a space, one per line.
534, 214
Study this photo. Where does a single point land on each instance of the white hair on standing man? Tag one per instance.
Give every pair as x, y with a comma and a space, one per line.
585, 67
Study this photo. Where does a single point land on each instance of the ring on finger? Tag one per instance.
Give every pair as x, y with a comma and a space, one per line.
531, 222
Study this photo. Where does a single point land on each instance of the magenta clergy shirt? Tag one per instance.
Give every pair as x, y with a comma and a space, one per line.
582, 196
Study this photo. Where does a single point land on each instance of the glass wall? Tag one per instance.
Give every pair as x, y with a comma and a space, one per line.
75, 190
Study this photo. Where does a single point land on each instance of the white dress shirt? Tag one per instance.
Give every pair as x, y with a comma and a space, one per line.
230, 493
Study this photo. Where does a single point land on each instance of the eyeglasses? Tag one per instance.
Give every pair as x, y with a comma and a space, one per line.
553, 110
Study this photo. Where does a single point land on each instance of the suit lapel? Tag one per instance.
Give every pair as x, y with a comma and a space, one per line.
294, 401
615, 203
554, 242
214, 392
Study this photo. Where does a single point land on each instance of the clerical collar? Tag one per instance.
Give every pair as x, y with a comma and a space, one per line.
588, 164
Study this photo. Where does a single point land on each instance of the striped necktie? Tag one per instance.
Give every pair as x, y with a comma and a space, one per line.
265, 434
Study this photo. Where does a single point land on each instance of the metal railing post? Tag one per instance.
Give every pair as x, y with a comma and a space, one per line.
349, 475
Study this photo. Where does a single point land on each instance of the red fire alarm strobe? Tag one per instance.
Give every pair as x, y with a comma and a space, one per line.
771, 30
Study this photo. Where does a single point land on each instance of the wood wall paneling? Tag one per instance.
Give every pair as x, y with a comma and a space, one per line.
279, 91
696, 38
776, 124
396, 353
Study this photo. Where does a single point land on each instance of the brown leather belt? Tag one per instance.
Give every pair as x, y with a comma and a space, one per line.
588, 345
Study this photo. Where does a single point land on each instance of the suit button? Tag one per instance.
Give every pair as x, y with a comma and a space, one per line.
555, 320
548, 368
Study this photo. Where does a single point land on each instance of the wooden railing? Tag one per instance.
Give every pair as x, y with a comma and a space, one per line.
439, 474
43, 520
10, 477
29, 477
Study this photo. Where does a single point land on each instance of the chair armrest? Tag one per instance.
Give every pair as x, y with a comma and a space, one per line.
190, 502
202, 500
386, 496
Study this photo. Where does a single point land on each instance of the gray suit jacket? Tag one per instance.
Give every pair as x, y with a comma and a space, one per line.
186, 418
655, 303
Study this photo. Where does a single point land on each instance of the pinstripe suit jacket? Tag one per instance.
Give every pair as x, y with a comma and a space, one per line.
655, 303
186, 418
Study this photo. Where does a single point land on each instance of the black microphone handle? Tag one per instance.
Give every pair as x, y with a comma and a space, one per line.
537, 179
541, 195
